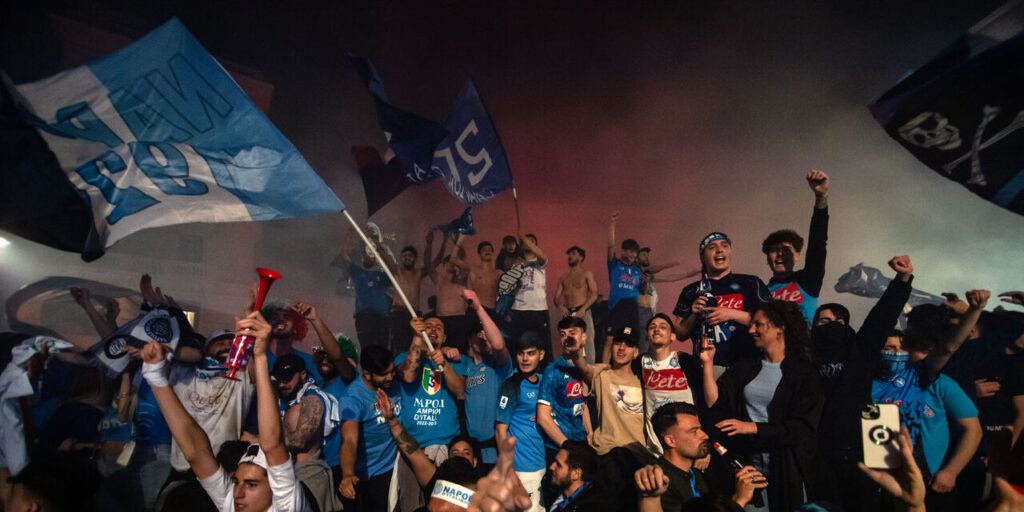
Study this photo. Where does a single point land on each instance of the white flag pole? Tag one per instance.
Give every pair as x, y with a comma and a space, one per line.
383, 265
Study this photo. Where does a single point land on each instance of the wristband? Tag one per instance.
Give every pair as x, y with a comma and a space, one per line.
155, 375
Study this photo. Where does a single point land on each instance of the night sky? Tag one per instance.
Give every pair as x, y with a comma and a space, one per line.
689, 118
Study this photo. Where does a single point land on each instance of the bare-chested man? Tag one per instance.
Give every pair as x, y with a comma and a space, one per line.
450, 279
483, 277
577, 291
409, 278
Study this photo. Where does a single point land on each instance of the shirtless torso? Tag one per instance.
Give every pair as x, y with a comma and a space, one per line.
577, 288
409, 280
450, 282
483, 279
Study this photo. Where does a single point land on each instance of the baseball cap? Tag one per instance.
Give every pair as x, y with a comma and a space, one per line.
287, 366
626, 334
223, 333
254, 455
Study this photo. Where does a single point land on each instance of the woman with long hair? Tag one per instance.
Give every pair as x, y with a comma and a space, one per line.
766, 408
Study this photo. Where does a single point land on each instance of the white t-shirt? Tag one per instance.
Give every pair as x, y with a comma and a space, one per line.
664, 382
288, 494
218, 405
532, 294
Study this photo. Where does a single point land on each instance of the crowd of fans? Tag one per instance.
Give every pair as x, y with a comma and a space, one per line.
467, 406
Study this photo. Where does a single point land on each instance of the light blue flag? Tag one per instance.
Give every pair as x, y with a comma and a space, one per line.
158, 133
471, 160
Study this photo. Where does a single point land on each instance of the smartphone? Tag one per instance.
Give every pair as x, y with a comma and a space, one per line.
880, 426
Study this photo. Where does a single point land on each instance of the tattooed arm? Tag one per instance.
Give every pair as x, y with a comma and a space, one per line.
305, 433
422, 467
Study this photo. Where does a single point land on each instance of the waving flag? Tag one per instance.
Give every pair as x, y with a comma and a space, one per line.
460, 226
465, 152
471, 159
962, 114
154, 134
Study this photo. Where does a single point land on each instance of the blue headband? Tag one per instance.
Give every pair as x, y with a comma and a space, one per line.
712, 237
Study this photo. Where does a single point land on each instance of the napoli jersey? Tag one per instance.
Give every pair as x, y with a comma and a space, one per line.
482, 385
376, 449
793, 292
332, 443
623, 282
562, 390
428, 412
945, 404
517, 408
905, 390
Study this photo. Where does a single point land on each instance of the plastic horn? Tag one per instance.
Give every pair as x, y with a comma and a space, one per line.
242, 346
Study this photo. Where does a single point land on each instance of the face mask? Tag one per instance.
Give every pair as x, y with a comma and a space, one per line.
892, 363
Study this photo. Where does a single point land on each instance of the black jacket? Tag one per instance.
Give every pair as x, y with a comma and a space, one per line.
788, 436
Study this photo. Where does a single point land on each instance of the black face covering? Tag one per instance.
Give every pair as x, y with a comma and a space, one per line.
830, 341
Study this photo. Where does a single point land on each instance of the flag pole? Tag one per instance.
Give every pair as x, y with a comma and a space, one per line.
515, 201
387, 271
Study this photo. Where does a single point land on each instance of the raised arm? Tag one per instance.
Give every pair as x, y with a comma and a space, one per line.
883, 315
940, 355
267, 410
341, 364
104, 325
669, 278
574, 354
611, 235
191, 439
528, 244
408, 368
707, 358
654, 269
491, 330
817, 237
421, 465
427, 250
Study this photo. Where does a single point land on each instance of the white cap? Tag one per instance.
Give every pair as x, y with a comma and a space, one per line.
452, 493
254, 455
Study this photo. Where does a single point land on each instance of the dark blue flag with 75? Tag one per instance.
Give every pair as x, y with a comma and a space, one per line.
471, 160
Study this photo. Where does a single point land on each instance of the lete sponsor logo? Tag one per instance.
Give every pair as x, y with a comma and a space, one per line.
731, 301
574, 389
789, 293
672, 379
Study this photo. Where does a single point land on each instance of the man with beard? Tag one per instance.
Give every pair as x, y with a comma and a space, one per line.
310, 417
288, 326
409, 279
488, 366
675, 480
573, 473
220, 406
577, 291
367, 449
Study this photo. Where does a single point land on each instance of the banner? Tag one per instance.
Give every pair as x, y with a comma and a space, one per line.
465, 153
471, 160
154, 134
382, 181
962, 114
157, 324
